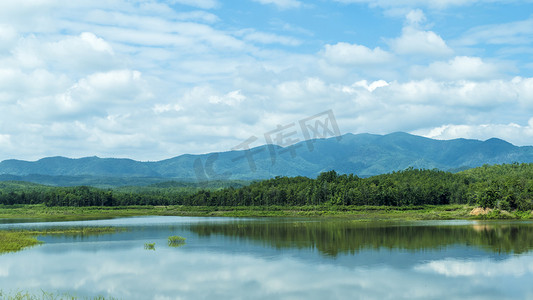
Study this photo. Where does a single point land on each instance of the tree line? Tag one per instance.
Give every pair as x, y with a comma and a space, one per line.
508, 186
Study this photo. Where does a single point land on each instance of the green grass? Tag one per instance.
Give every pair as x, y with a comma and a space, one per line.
176, 241
149, 246
13, 241
423, 212
40, 211
16, 240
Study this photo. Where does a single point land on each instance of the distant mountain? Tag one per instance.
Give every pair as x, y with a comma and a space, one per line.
361, 154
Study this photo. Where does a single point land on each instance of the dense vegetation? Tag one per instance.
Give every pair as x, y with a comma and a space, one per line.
508, 187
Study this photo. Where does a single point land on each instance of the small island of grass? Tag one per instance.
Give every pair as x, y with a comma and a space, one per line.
176, 241
16, 240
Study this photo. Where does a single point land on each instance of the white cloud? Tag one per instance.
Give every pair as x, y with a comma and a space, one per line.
435, 4
419, 42
96, 95
96, 43
301, 89
162, 108
373, 86
415, 17
106, 69
475, 95
282, 4
197, 16
512, 33
353, 54
524, 87
8, 36
5, 140
270, 38
16, 84
232, 98
111, 84
514, 133
72, 54
206, 4
459, 68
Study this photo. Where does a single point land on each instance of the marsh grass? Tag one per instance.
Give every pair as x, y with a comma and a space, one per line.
176, 241
149, 246
13, 241
362, 213
16, 240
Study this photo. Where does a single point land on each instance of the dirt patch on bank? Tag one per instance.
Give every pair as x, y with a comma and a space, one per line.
480, 211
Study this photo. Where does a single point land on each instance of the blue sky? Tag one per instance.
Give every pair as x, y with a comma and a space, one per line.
154, 79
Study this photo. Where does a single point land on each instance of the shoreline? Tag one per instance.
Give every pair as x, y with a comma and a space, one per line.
358, 213
17, 240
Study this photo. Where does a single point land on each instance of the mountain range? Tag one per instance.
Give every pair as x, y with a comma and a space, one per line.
361, 154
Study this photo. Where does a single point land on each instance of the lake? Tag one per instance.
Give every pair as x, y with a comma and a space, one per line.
267, 258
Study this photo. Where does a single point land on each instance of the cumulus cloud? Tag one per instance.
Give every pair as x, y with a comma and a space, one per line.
459, 68
112, 85
372, 86
232, 98
34, 83
415, 17
85, 52
353, 54
514, 133
8, 36
96, 95
85, 77
414, 41
5, 140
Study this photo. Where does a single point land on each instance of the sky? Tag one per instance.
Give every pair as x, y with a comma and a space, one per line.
150, 80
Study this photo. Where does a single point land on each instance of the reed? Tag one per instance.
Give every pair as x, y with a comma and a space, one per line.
176, 241
16, 240
149, 246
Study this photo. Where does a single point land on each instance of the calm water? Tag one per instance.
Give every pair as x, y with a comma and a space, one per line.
226, 258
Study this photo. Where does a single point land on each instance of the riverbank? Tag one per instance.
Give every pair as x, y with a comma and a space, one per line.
362, 213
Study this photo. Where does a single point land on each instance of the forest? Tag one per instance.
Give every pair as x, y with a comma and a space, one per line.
507, 187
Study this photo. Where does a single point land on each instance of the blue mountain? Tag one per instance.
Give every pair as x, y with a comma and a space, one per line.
361, 154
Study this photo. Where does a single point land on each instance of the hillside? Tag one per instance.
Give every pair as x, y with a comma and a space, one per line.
361, 154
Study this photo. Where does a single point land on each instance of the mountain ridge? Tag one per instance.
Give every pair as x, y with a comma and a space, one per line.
361, 154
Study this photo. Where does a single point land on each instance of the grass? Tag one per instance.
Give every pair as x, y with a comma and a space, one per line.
149, 246
364, 213
176, 241
16, 240
42, 212
13, 241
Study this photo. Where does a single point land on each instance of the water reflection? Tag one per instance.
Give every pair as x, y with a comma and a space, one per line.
282, 259
334, 237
